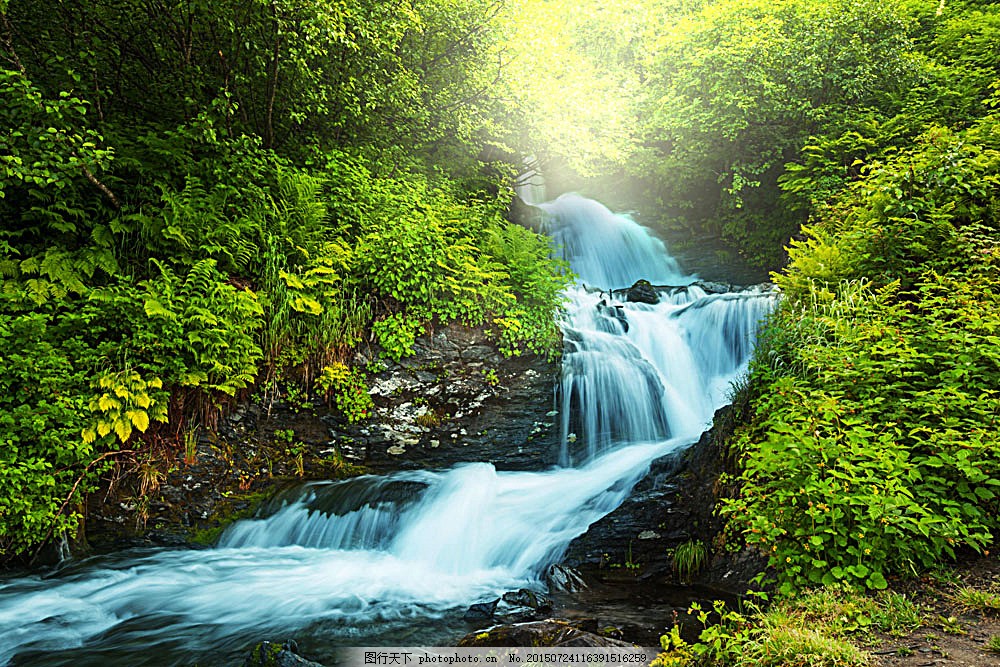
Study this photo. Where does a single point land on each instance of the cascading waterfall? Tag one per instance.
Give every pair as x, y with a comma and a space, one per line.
636, 372
397, 559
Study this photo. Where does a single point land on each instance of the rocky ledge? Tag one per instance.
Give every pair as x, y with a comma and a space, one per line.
456, 399
674, 504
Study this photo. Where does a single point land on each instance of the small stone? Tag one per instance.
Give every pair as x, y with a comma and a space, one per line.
396, 450
648, 535
435, 444
481, 611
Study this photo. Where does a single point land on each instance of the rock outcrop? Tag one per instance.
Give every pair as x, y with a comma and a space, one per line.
673, 504
455, 400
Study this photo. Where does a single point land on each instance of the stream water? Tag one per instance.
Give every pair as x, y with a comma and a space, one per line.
396, 560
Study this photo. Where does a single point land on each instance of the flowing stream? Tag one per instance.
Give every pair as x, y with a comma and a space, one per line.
396, 560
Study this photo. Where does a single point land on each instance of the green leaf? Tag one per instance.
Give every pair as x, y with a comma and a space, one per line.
877, 581
139, 419
123, 429
154, 308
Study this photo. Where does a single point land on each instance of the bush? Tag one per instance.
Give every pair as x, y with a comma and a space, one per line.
874, 448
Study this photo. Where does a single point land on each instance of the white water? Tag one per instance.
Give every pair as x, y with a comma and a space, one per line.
368, 558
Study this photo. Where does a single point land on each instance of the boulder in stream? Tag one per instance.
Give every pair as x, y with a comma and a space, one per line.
642, 292
481, 611
564, 579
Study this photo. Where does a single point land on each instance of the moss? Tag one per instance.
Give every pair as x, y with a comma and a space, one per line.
265, 654
208, 531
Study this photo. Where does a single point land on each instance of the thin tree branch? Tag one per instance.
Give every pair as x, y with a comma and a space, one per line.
97, 184
72, 492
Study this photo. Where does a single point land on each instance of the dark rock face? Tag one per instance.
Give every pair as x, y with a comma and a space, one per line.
551, 632
512, 607
564, 579
456, 399
526, 215
528, 599
481, 612
270, 654
672, 504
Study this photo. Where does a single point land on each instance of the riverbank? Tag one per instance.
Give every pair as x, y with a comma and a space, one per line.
456, 399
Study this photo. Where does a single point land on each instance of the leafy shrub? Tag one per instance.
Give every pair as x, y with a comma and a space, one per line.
396, 335
125, 402
874, 447
536, 282
780, 637
47, 360
347, 387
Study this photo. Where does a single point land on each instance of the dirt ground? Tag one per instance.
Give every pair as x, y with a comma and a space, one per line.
952, 635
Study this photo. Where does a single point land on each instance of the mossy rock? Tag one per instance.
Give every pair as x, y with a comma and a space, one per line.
273, 654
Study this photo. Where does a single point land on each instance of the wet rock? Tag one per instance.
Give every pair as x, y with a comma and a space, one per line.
564, 579
455, 400
615, 311
522, 605
551, 632
528, 598
642, 292
481, 611
272, 654
713, 287
674, 503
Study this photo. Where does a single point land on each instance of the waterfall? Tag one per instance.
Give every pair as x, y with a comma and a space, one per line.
377, 559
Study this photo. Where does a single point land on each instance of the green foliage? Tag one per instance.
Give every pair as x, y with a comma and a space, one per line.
205, 198
396, 335
537, 283
689, 559
810, 630
43, 150
47, 360
348, 388
125, 401
850, 611
428, 256
780, 637
874, 448
978, 600
422, 255
204, 329
735, 88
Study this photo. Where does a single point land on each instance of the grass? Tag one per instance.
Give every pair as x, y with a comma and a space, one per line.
789, 640
689, 559
993, 645
847, 611
978, 600
815, 629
